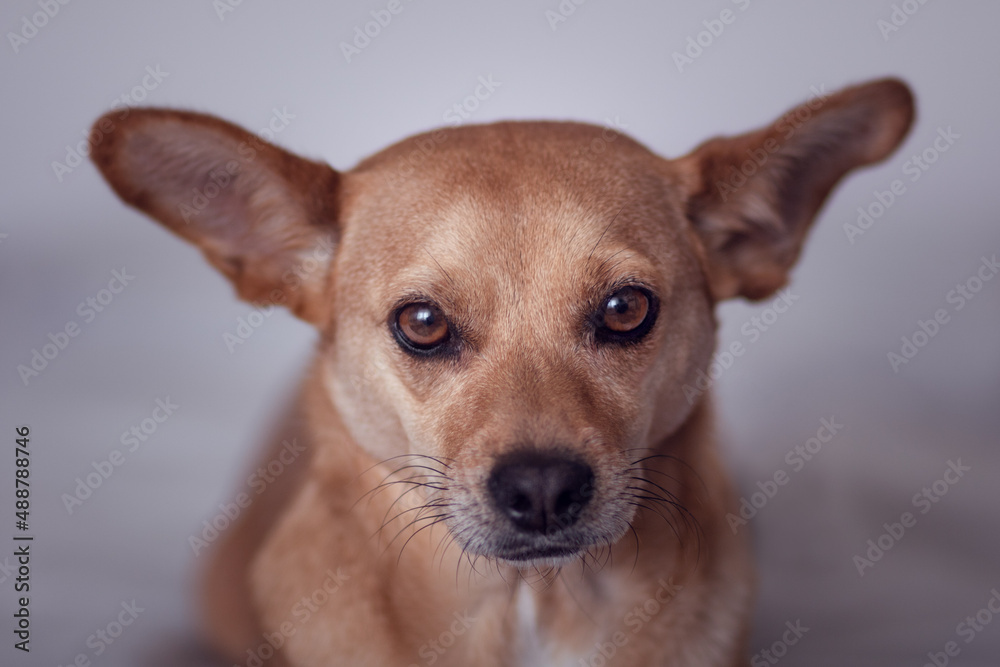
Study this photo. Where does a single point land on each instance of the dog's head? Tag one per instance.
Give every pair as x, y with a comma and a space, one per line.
520, 304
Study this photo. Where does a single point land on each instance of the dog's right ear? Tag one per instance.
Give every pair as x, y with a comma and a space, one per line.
259, 213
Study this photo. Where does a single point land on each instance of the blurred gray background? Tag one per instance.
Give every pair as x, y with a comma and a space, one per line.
63, 234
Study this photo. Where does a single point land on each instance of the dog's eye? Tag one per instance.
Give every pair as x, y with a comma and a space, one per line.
626, 315
625, 310
422, 326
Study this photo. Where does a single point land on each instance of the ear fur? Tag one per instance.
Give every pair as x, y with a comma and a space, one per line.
752, 198
264, 217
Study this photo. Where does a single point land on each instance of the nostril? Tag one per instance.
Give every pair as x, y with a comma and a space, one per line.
540, 492
520, 503
576, 485
516, 490
569, 505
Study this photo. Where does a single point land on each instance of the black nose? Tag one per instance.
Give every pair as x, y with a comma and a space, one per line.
540, 492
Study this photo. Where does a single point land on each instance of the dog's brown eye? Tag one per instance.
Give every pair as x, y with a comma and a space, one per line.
625, 310
626, 316
422, 326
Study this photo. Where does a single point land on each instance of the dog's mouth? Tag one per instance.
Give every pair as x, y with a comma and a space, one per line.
482, 531
534, 555
524, 551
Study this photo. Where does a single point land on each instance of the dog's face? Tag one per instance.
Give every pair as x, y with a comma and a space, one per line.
520, 304
524, 309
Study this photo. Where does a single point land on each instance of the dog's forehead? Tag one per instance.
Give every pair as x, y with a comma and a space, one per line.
514, 247
522, 202
518, 164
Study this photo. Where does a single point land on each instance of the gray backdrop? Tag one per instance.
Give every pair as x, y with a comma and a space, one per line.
63, 234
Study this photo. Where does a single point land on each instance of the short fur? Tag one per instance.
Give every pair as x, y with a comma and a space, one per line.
518, 231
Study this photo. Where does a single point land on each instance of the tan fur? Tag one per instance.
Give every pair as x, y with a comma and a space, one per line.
518, 232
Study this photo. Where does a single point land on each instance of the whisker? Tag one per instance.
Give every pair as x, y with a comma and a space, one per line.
403, 495
440, 518
635, 560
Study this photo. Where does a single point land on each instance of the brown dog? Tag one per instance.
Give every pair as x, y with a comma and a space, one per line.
504, 467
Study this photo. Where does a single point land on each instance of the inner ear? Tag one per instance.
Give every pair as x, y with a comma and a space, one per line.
752, 198
264, 217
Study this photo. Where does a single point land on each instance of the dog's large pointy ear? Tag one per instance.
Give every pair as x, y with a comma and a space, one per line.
752, 198
264, 217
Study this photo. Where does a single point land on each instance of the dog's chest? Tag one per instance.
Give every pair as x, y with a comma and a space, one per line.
534, 649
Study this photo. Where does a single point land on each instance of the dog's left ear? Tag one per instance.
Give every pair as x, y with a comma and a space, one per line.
752, 198
264, 217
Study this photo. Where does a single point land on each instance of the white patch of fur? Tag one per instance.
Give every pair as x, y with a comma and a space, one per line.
532, 649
